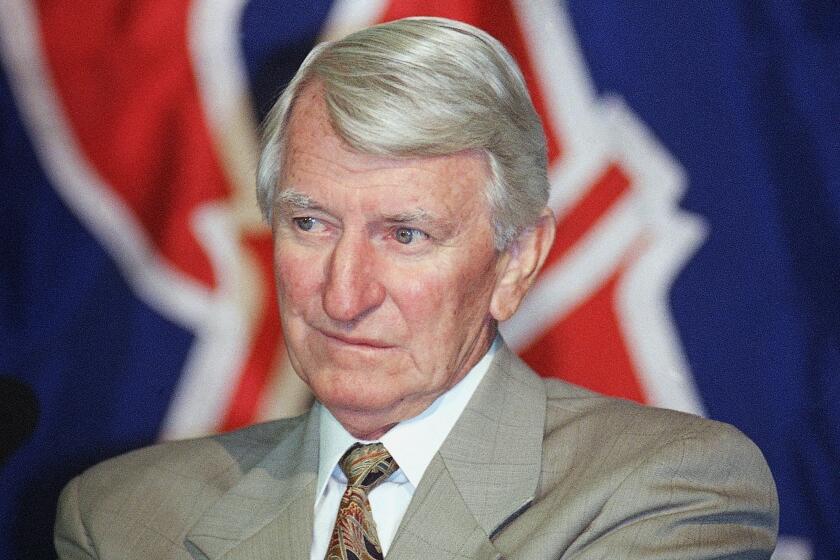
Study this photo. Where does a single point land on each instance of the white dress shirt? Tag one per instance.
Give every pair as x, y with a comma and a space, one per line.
412, 443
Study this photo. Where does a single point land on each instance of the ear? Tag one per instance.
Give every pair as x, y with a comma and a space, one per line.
520, 264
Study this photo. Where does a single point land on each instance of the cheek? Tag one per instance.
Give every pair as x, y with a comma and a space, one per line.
418, 295
436, 300
471, 291
297, 279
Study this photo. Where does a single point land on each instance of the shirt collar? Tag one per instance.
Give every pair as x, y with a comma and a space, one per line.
413, 442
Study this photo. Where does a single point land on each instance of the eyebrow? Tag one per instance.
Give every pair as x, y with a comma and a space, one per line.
418, 215
295, 199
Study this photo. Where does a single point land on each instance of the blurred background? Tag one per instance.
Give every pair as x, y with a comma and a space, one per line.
695, 163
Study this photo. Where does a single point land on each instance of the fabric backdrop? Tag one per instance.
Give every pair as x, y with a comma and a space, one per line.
696, 179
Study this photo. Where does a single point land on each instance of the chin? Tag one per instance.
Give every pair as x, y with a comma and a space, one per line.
356, 402
345, 382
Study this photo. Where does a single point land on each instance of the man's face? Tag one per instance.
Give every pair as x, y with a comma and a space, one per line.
385, 272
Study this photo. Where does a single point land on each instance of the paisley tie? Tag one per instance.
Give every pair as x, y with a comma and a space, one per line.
354, 536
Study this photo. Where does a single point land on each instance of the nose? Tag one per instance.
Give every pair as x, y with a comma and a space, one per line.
352, 289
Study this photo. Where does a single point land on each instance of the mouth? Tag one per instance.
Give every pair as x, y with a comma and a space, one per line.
357, 342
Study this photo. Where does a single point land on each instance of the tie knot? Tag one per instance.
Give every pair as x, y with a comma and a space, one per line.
367, 465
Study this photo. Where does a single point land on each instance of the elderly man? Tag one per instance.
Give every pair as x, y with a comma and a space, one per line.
403, 174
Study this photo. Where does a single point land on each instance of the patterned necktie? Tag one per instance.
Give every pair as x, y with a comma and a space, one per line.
354, 536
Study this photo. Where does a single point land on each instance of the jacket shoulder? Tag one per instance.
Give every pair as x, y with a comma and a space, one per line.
208, 458
632, 472
161, 489
608, 419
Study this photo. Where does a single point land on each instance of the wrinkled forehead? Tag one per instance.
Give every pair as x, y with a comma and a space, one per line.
324, 175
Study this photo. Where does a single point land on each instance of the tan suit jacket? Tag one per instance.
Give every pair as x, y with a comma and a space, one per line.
533, 469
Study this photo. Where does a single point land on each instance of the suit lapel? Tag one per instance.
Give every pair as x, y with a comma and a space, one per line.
268, 512
439, 524
486, 472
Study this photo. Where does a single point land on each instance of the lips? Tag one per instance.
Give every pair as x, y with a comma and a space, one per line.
359, 342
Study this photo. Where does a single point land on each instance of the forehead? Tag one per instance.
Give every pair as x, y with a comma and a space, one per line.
316, 158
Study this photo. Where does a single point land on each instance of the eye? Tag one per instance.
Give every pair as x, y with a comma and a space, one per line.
306, 223
407, 235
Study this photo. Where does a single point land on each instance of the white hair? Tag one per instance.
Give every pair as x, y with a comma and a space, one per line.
420, 87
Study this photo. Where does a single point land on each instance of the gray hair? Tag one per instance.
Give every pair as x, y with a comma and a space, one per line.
422, 87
